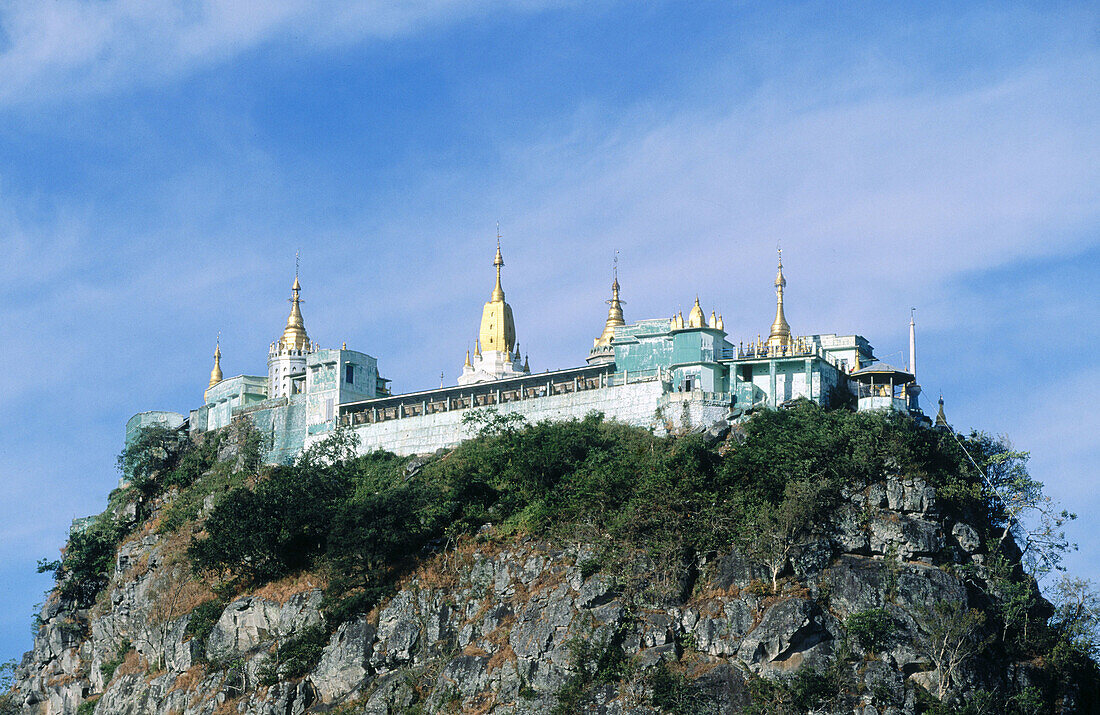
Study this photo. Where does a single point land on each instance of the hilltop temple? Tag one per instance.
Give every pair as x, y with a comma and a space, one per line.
666, 374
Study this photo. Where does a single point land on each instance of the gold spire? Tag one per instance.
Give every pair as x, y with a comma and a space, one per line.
781, 331
498, 261
477, 348
695, 317
468, 364
294, 335
614, 313
216, 373
721, 324
941, 418
498, 331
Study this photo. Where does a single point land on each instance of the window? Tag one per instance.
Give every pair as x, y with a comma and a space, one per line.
349, 374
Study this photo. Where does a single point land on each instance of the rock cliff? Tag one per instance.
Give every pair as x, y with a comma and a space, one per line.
856, 615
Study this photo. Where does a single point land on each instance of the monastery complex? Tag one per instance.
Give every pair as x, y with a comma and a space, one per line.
666, 374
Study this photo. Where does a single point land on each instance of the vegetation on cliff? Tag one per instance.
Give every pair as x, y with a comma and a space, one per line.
651, 513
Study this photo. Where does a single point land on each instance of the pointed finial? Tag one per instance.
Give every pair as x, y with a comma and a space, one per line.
526, 365
216, 372
780, 335
467, 363
441, 378
344, 346
941, 418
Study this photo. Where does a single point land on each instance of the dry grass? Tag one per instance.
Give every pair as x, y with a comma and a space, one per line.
502, 647
188, 679
550, 577
132, 664
282, 590
228, 707
503, 654
475, 651
61, 680
481, 704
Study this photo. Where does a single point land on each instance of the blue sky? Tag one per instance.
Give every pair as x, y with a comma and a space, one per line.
160, 164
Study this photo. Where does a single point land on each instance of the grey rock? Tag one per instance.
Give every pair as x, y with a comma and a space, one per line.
856, 583
596, 591
345, 662
966, 537
788, 628
849, 532
921, 586
906, 536
392, 693
919, 496
810, 559
735, 571
650, 657
722, 689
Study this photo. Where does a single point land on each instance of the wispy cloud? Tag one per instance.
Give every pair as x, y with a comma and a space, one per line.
74, 48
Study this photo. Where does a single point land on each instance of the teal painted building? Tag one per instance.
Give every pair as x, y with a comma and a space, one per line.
667, 374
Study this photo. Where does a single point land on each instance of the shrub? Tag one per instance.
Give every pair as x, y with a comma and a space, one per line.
871, 628
85, 566
203, 619
108, 668
297, 656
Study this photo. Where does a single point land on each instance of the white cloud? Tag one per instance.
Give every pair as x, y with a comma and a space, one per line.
76, 48
879, 200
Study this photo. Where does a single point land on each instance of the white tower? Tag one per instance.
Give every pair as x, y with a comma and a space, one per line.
286, 359
914, 389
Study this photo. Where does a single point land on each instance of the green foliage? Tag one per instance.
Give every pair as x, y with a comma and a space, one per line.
954, 634
651, 503
282, 525
87, 707
871, 628
85, 566
672, 692
203, 619
7, 680
109, 667
593, 661
218, 479
489, 421
808, 690
159, 459
589, 567
150, 457
296, 656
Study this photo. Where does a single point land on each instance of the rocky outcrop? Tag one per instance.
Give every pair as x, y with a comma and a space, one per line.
504, 626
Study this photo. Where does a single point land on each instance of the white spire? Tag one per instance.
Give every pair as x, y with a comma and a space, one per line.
912, 342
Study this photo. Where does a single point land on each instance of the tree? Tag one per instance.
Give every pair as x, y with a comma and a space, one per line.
1077, 615
150, 456
491, 421
1015, 501
7, 681
774, 531
954, 635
